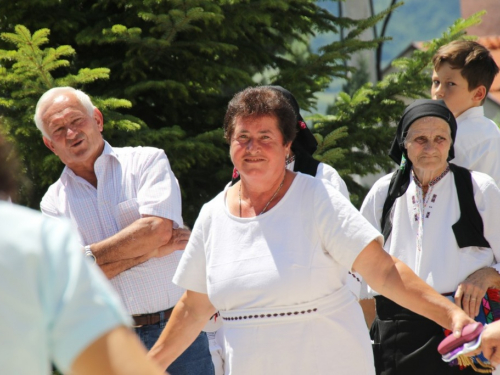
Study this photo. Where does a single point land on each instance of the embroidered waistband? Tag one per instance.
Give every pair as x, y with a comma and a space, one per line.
271, 315
275, 315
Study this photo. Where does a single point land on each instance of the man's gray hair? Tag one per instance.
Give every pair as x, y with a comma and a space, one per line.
49, 95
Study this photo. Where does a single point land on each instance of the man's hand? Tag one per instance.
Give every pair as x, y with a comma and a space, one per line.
178, 241
471, 291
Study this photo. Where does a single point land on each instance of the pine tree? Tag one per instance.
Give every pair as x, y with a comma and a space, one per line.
176, 64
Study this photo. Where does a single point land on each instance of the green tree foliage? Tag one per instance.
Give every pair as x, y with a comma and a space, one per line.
358, 129
177, 62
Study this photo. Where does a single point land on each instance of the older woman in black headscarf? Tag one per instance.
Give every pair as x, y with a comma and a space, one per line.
442, 221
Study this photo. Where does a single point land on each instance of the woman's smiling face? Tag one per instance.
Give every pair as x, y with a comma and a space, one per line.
257, 147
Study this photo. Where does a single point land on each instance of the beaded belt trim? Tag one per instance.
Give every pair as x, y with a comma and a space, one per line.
257, 316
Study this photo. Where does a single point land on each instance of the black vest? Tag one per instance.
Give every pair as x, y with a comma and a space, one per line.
469, 228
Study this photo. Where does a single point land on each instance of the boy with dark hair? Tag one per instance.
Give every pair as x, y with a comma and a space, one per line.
463, 74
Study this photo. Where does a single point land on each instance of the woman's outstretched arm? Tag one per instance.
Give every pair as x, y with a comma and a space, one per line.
395, 280
189, 317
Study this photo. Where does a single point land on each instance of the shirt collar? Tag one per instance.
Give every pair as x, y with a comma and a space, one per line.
471, 112
107, 151
434, 181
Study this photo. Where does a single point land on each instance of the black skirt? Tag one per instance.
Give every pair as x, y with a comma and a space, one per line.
405, 343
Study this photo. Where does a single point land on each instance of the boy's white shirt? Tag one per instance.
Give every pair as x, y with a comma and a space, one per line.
477, 145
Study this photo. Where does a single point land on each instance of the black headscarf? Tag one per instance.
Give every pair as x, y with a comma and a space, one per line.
304, 138
401, 178
418, 109
303, 146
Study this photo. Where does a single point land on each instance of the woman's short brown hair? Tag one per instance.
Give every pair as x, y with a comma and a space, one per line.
258, 102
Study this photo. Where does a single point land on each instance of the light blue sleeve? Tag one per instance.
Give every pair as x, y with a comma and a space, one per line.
78, 302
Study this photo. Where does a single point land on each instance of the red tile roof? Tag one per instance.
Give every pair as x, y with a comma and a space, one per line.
488, 32
492, 42
489, 24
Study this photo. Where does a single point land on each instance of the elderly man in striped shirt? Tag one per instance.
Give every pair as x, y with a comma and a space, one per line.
126, 205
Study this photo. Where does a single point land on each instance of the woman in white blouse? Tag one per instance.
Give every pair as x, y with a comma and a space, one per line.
442, 221
270, 253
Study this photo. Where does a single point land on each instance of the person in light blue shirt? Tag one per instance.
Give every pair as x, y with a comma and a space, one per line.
55, 306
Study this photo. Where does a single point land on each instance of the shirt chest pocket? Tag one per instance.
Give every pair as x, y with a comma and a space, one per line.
127, 212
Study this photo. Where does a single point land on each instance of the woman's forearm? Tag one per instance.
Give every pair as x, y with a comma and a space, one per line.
189, 317
395, 280
412, 292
